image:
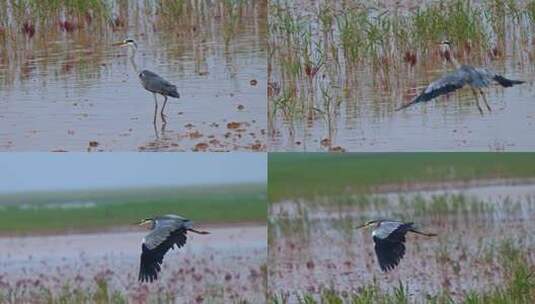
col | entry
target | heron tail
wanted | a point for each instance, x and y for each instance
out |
(422, 233)
(504, 82)
(174, 94)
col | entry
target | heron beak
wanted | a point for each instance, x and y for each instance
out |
(361, 226)
(119, 44)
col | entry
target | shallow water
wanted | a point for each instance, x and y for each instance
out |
(60, 90)
(228, 258)
(313, 245)
(365, 120)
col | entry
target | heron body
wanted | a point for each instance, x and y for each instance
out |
(476, 78)
(165, 232)
(151, 81)
(389, 239)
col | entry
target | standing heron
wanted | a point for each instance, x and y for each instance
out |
(389, 239)
(165, 232)
(476, 78)
(151, 81)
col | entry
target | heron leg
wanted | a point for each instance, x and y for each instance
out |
(155, 107)
(477, 101)
(485, 99)
(163, 108)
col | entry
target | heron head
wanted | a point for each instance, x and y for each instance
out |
(445, 45)
(127, 42)
(368, 224)
(445, 49)
(146, 223)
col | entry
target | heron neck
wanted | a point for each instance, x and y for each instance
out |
(454, 61)
(132, 55)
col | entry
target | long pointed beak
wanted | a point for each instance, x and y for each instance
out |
(361, 226)
(118, 44)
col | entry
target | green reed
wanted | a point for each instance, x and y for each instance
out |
(354, 35)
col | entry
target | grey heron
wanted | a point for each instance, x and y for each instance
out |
(476, 78)
(389, 239)
(165, 232)
(151, 81)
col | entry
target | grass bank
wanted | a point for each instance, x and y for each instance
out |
(101, 209)
(305, 175)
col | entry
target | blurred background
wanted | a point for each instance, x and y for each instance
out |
(481, 205)
(66, 225)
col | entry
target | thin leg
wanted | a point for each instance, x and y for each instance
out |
(156, 131)
(477, 101)
(155, 107)
(485, 99)
(163, 108)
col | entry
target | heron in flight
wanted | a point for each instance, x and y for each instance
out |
(476, 78)
(389, 239)
(165, 232)
(151, 81)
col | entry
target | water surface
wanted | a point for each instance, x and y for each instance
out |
(73, 91)
(313, 245)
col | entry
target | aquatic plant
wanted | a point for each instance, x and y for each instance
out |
(337, 41)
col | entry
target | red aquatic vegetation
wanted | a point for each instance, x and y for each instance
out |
(410, 58)
(119, 21)
(88, 18)
(28, 29)
(467, 47)
(310, 70)
(67, 26)
(495, 53)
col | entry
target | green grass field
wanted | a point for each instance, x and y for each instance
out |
(304, 175)
(60, 211)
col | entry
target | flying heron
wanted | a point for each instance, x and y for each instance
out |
(389, 239)
(165, 232)
(151, 81)
(476, 78)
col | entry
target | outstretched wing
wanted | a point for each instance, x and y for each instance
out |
(156, 84)
(155, 245)
(449, 83)
(391, 249)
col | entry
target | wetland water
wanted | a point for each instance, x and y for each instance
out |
(340, 69)
(222, 266)
(313, 244)
(61, 90)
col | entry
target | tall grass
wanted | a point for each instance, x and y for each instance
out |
(351, 36)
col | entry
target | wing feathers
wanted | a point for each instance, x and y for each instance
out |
(391, 249)
(156, 84)
(151, 259)
(442, 86)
